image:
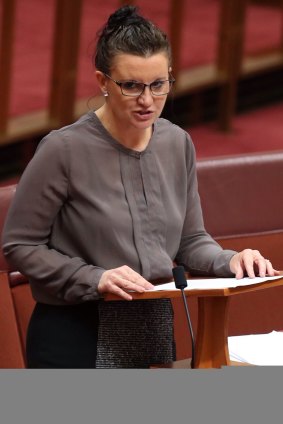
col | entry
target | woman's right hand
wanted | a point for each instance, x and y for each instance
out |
(120, 280)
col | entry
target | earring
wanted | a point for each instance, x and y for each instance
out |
(105, 94)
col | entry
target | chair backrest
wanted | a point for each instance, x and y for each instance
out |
(242, 201)
(16, 301)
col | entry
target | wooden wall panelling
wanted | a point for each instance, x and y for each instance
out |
(230, 54)
(281, 40)
(264, 61)
(6, 55)
(225, 74)
(176, 25)
(65, 62)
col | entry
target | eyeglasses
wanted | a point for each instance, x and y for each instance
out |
(136, 89)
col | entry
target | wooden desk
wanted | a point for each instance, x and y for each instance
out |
(211, 349)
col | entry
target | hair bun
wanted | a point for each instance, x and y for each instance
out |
(124, 16)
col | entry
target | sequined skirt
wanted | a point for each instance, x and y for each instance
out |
(135, 334)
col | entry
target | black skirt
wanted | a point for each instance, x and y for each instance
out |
(118, 334)
(62, 336)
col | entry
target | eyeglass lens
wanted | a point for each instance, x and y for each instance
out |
(158, 88)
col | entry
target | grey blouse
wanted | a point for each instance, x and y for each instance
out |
(85, 203)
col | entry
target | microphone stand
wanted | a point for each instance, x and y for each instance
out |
(181, 283)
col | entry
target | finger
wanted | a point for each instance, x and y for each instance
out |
(248, 262)
(120, 278)
(119, 282)
(262, 265)
(120, 292)
(243, 263)
(270, 270)
(108, 284)
(128, 285)
(236, 266)
(132, 276)
(239, 272)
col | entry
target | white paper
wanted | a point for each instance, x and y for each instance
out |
(257, 349)
(216, 283)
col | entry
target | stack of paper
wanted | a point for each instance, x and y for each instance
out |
(217, 283)
(257, 349)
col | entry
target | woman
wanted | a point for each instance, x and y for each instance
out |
(107, 205)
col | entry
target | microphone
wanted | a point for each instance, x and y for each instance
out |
(181, 283)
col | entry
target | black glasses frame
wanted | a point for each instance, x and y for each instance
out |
(120, 84)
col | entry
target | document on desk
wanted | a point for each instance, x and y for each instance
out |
(216, 283)
(257, 349)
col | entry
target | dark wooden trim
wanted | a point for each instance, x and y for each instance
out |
(65, 61)
(6, 56)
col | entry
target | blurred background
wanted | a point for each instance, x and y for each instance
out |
(227, 61)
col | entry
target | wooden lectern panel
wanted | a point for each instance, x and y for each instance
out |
(211, 350)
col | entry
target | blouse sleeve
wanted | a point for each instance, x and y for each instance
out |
(198, 251)
(40, 194)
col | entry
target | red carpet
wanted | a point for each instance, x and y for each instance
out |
(257, 131)
(260, 130)
(31, 68)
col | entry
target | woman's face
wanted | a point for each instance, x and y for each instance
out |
(135, 112)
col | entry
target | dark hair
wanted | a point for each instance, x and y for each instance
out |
(128, 32)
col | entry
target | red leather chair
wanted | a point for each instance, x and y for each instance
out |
(16, 302)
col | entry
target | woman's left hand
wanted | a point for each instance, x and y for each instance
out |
(251, 263)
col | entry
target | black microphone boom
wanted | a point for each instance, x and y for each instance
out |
(181, 284)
